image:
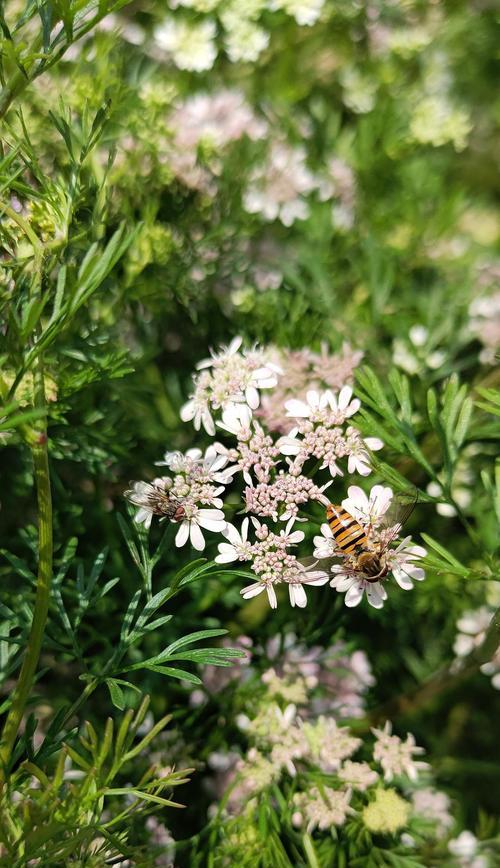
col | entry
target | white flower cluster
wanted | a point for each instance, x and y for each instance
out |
(279, 485)
(192, 45)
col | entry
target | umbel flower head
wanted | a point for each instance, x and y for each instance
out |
(226, 379)
(396, 756)
(271, 560)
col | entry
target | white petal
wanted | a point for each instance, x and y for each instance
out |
(343, 583)
(252, 590)
(187, 411)
(234, 345)
(252, 397)
(352, 408)
(289, 446)
(313, 398)
(227, 554)
(211, 514)
(380, 498)
(197, 538)
(297, 596)
(374, 598)
(418, 551)
(297, 408)
(374, 443)
(354, 596)
(271, 596)
(182, 535)
(215, 525)
(316, 578)
(345, 396)
(296, 537)
(402, 579)
(143, 516)
(416, 573)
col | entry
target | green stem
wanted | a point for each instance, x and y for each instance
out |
(444, 679)
(22, 690)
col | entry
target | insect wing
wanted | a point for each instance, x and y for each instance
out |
(401, 507)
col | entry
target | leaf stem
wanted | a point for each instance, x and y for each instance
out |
(443, 679)
(39, 451)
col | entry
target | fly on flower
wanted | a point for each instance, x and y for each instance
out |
(361, 531)
(154, 499)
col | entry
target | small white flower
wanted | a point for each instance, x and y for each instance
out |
(238, 548)
(199, 413)
(245, 41)
(465, 849)
(396, 756)
(355, 587)
(190, 528)
(305, 576)
(368, 510)
(235, 418)
(343, 402)
(304, 409)
(223, 354)
(359, 460)
(257, 588)
(305, 12)
(325, 545)
(191, 46)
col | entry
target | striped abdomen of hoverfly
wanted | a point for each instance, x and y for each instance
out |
(347, 532)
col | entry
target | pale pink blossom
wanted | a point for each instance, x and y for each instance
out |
(396, 756)
(276, 190)
(215, 118)
(196, 519)
(358, 776)
(321, 808)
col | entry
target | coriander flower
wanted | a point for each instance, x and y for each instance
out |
(205, 468)
(276, 189)
(359, 776)
(319, 434)
(218, 118)
(325, 545)
(226, 381)
(435, 807)
(245, 41)
(191, 46)
(325, 407)
(305, 12)
(238, 548)
(329, 744)
(273, 563)
(195, 520)
(368, 510)
(396, 756)
(321, 808)
(465, 848)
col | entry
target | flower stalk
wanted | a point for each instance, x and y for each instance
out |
(39, 449)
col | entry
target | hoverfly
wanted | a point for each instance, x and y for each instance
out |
(155, 497)
(363, 545)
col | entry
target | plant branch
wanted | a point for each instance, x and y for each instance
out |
(444, 679)
(22, 690)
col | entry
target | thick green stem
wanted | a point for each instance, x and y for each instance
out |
(22, 690)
